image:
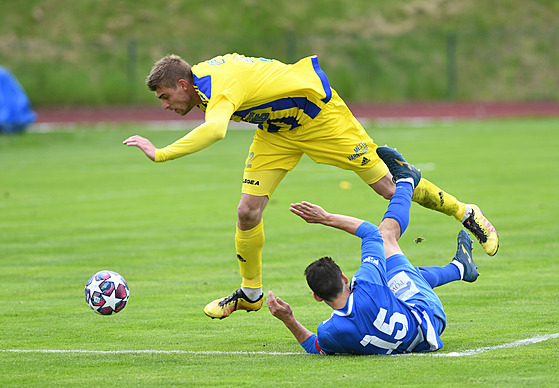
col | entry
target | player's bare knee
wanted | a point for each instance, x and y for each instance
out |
(250, 209)
(389, 192)
(389, 230)
(384, 186)
(248, 216)
(385, 190)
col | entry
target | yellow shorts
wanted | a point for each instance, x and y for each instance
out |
(334, 137)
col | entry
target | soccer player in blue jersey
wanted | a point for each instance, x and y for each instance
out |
(297, 112)
(390, 306)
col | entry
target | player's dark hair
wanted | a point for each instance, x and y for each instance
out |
(324, 278)
(167, 72)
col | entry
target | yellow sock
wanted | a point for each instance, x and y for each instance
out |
(249, 244)
(430, 196)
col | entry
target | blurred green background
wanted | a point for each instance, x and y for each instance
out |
(98, 52)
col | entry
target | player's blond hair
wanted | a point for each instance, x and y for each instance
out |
(167, 72)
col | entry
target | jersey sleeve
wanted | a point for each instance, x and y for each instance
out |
(372, 245)
(213, 129)
(311, 345)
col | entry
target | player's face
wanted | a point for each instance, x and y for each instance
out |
(178, 99)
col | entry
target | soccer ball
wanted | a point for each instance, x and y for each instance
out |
(106, 292)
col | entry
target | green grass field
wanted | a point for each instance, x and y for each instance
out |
(76, 201)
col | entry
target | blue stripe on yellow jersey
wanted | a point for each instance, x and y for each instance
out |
(323, 79)
(274, 95)
(203, 86)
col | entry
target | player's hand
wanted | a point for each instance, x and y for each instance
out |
(309, 212)
(315, 214)
(143, 144)
(279, 309)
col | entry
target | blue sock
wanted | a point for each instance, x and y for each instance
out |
(399, 206)
(437, 276)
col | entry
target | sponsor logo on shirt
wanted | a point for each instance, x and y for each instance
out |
(256, 118)
(370, 259)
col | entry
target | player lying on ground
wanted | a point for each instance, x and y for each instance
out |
(297, 112)
(390, 306)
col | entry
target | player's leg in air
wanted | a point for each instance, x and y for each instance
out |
(340, 140)
(412, 284)
(430, 196)
(461, 267)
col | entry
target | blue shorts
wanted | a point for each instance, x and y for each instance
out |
(409, 286)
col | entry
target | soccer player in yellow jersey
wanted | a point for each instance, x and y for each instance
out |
(297, 112)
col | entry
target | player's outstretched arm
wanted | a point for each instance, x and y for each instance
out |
(314, 214)
(212, 130)
(283, 311)
(143, 144)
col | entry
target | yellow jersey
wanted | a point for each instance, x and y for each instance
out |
(274, 95)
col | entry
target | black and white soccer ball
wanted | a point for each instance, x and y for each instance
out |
(106, 292)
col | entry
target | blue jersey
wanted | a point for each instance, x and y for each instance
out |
(391, 309)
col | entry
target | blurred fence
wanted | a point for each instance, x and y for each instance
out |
(489, 66)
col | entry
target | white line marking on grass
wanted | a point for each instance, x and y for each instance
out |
(523, 342)
(470, 352)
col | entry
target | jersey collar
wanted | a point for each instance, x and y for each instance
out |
(347, 309)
